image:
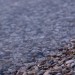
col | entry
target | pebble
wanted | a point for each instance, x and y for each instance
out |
(73, 65)
(69, 63)
(56, 67)
(47, 72)
(57, 63)
(58, 74)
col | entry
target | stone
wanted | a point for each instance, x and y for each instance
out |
(73, 65)
(47, 72)
(21, 71)
(69, 63)
(57, 67)
(58, 63)
(58, 74)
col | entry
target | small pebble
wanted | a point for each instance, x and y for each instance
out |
(57, 63)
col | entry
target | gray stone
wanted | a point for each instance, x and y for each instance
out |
(27, 25)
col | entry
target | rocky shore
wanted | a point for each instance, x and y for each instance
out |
(32, 31)
(59, 62)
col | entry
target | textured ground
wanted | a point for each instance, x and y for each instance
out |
(32, 28)
(61, 62)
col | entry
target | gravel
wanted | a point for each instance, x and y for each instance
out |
(63, 64)
(30, 28)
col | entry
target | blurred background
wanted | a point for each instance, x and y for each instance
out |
(33, 28)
